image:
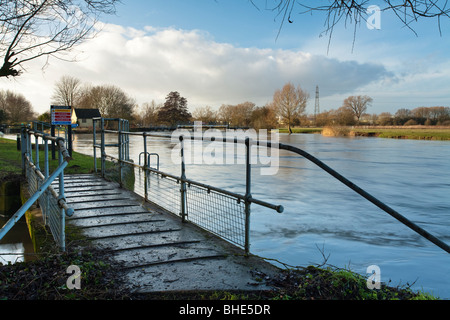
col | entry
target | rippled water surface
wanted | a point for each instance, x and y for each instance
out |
(323, 217)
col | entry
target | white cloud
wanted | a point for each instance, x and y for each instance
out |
(149, 63)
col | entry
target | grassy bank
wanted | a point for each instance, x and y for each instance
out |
(417, 133)
(10, 160)
(101, 278)
(301, 130)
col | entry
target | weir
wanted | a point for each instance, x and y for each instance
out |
(157, 250)
(179, 205)
(221, 212)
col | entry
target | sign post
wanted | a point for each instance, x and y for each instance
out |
(62, 116)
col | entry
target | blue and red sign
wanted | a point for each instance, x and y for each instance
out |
(61, 115)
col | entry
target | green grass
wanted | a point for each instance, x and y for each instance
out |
(406, 133)
(10, 160)
(301, 130)
(392, 133)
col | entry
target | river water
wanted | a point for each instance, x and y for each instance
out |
(323, 218)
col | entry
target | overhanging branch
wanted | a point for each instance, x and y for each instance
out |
(31, 29)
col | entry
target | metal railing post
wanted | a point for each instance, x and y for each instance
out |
(123, 139)
(30, 147)
(145, 169)
(103, 153)
(46, 164)
(94, 121)
(61, 176)
(120, 150)
(62, 234)
(65, 139)
(23, 146)
(248, 194)
(127, 137)
(36, 145)
(46, 174)
(27, 150)
(183, 183)
(52, 133)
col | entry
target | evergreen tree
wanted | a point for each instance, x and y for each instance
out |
(174, 111)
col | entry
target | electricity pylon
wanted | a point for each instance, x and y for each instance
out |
(316, 106)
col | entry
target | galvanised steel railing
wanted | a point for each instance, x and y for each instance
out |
(52, 203)
(224, 213)
(217, 210)
(46, 127)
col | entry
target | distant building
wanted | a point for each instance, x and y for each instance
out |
(83, 117)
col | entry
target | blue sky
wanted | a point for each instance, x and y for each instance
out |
(227, 51)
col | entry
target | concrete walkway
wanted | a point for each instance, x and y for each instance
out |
(160, 252)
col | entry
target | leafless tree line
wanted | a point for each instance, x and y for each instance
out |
(110, 100)
(428, 116)
(287, 109)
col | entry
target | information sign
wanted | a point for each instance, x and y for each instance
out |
(61, 115)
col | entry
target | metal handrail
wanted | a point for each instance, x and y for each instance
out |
(46, 178)
(368, 196)
(278, 208)
(427, 235)
(148, 158)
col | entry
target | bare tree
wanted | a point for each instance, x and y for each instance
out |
(264, 118)
(34, 28)
(385, 119)
(225, 114)
(111, 101)
(16, 107)
(402, 116)
(204, 114)
(239, 115)
(66, 91)
(242, 114)
(357, 104)
(149, 113)
(290, 103)
(343, 117)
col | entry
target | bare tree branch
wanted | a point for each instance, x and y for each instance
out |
(34, 28)
(355, 11)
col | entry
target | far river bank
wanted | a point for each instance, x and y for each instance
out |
(391, 132)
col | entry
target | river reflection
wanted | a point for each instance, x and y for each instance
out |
(16, 245)
(324, 217)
